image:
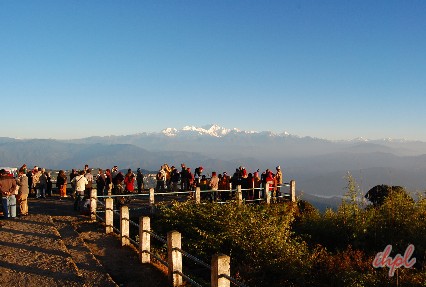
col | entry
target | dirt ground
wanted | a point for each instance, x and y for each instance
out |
(56, 246)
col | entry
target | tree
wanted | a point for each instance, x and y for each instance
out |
(378, 194)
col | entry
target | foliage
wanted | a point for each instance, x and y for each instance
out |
(295, 245)
(258, 238)
(378, 194)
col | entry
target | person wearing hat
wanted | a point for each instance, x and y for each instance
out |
(7, 190)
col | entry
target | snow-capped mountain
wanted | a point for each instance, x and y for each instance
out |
(213, 130)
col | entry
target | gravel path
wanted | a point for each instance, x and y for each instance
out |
(55, 246)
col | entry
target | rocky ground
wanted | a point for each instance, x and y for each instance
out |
(56, 246)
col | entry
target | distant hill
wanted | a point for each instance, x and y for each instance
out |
(319, 166)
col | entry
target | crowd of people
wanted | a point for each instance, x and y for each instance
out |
(169, 178)
(37, 182)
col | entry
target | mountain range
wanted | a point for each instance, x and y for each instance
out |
(319, 166)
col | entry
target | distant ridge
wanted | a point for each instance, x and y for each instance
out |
(318, 165)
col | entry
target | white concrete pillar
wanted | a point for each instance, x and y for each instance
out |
(174, 258)
(239, 195)
(293, 190)
(267, 194)
(152, 200)
(221, 265)
(109, 215)
(197, 195)
(124, 225)
(144, 239)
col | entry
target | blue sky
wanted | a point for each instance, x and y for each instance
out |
(329, 69)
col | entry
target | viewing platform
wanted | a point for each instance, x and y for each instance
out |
(56, 246)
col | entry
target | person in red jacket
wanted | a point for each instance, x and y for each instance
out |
(129, 181)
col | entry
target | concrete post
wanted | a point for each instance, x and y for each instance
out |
(151, 200)
(124, 225)
(197, 195)
(293, 190)
(93, 204)
(109, 215)
(239, 195)
(221, 265)
(174, 258)
(267, 194)
(144, 239)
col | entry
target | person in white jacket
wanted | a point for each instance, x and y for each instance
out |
(79, 182)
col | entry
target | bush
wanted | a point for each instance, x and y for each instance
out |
(295, 245)
(259, 239)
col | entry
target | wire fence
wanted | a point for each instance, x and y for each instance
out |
(161, 239)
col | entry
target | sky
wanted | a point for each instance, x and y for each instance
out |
(330, 69)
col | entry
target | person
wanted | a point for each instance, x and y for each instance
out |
(61, 184)
(73, 174)
(114, 172)
(160, 177)
(256, 184)
(42, 183)
(129, 181)
(24, 168)
(30, 182)
(167, 177)
(224, 186)
(48, 184)
(108, 182)
(244, 181)
(270, 179)
(36, 181)
(175, 176)
(214, 184)
(190, 179)
(279, 180)
(183, 178)
(100, 182)
(7, 189)
(88, 175)
(23, 191)
(250, 186)
(79, 182)
(118, 189)
(139, 180)
(197, 175)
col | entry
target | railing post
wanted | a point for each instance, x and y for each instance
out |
(239, 195)
(293, 190)
(144, 239)
(267, 194)
(221, 265)
(93, 204)
(109, 215)
(124, 225)
(197, 195)
(151, 200)
(174, 258)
